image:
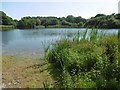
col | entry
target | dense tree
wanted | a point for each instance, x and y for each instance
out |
(27, 22)
(64, 22)
(81, 24)
(45, 22)
(78, 19)
(54, 21)
(100, 15)
(104, 21)
(38, 22)
(6, 20)
(70, 18)
(100, 21)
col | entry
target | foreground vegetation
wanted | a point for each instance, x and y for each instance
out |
(100, 21)
(89, 62)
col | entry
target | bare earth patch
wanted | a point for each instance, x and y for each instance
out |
(24, 72)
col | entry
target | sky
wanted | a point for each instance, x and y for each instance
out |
(58, 8)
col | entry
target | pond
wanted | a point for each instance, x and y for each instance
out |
(28, 41)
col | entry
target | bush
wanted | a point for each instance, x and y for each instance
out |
(85, 63)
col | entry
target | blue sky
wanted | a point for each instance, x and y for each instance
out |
(83, 8)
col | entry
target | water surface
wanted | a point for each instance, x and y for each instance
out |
(31, 41)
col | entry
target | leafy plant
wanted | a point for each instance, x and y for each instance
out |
(82, 62)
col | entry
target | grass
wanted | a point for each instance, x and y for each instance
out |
(38, 27)
(61, 26)
(6, 27)
(85, 62)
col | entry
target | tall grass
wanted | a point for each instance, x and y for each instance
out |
(85, 62)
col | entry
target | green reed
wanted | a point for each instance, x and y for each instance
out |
(89, 60)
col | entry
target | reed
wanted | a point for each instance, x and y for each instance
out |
(85, 62)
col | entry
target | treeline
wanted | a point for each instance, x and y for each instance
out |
(104, 21)
(99, 21)
(6, 20)
(36, 22)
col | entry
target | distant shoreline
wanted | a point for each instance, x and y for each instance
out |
(6, 27)
(10, 27)
(99, 21)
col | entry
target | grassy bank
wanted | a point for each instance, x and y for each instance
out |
(89, 62)
(21, 71)
(6, 27)
(61, 26)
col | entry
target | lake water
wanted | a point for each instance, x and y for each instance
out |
(20, 41)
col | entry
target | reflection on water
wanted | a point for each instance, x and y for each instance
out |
(7, 36)
(33, 40)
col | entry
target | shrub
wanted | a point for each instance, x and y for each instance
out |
(89, 62)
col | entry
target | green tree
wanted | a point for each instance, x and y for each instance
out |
(6, 20)
(78, 19)
(38, 22)
(54, 21)
(70, 18)
(64, 22)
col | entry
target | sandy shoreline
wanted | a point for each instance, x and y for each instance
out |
(24, 71)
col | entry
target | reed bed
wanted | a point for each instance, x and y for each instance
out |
(88, 60)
